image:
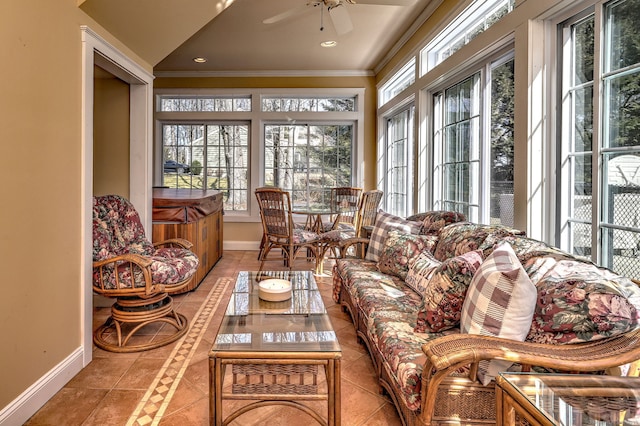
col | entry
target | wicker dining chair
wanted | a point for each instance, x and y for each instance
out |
(138, 274)
(341, 240)
(345, 201)
(367, 212)
(279, 230)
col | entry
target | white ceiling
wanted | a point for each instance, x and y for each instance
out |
(236, 40)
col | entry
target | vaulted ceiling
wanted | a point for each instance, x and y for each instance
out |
(232, 37)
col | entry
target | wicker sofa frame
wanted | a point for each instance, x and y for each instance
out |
(450, 392)
(448, 398)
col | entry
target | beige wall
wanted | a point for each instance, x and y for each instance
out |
(252, 232)
(40, 217)
(110, 135)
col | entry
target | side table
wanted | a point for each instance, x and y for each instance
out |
(567, 399)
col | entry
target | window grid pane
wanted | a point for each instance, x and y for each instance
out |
(182, 156)
(397, 176)
(203, 103)
(460, 149)
(617, 241)
(502, 143)
(475, 19)
(227, 165)
(308, 160)
(215, 160)
(319, 104)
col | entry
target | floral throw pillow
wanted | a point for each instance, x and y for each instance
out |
(445, 293)
(433, 222)
(500, 302)
(400, 250)
(421, 271)
(581, 302)
(386, 222)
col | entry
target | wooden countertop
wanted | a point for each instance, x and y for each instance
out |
(184, 205)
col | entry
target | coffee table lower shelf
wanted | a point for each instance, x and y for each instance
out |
(275, 378)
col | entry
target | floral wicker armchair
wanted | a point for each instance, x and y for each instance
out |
(128, 267)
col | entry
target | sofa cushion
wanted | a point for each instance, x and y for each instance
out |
(580, 302)
(500, 302)
(386, 222)
(393, 338)
(168, 266)
(372, 290)
(459, 238)
(433, 221)
(345, 269)
(445, 293)
(387, 298)
(421, 271)
(400, 250)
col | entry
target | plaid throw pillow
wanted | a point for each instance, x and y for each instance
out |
(500, 302)
(386, 222)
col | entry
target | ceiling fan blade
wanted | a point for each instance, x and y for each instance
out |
(341, 19)
(289, 13)
(384, 2)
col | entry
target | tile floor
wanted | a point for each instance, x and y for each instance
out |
(115, 389)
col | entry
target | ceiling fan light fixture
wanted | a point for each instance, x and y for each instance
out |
(329, 43)
(199, 60)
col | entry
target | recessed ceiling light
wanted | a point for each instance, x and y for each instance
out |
(200, 60)
(329, 43)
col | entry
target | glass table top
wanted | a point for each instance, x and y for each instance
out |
(579, 399)
(299, 324)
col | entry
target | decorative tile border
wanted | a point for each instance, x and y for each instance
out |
(155, 402)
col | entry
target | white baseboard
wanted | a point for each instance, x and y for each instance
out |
(241, 245)
(31, 400)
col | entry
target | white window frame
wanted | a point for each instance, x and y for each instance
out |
(257, 119)
(430, 155)
(402, 79)
(458, 31)
(601, 246)
(410, 153)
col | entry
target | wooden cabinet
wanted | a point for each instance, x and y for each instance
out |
(194, 215)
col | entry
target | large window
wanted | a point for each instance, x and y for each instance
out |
(600, 177)
(473, 168)
(308, 160)
(396, 179)
(304, 142)
(457, 147)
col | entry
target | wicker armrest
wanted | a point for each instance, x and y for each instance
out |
(345, 244)
(131, 261)
(447, 354)
(172, 242)
(459, 349)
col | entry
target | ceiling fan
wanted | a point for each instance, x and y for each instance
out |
(337, 11)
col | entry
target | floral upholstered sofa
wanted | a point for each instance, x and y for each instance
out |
(443, 305)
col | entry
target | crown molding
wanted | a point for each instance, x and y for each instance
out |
(267, 73)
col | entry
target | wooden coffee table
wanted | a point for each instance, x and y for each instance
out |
(278, 352)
